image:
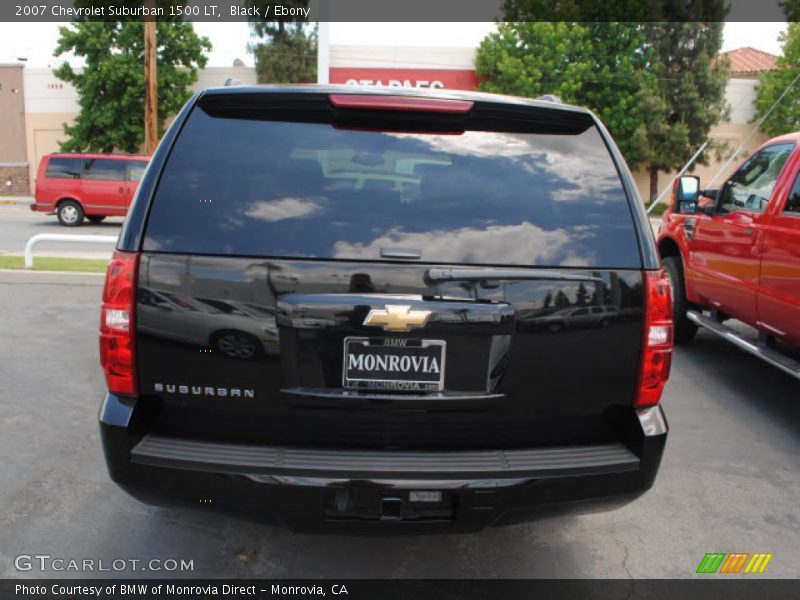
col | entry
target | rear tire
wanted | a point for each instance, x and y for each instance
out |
(95, 218)
(685, 330)
(70, 213)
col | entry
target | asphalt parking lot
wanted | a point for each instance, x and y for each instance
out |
(18, 224)
(729, 480)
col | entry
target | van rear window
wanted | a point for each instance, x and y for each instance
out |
(64, 168)
(104, 168)
(263, 182)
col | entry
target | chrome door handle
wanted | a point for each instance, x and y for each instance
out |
(748, 231)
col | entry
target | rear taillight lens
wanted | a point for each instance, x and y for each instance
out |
(117, 350)
(657, 342)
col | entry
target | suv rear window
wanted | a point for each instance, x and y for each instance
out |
(525, 188)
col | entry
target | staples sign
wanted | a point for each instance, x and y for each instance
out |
(455, 79)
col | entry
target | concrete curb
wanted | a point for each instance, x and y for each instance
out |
(22, 200)
(38, 272)
(104, 256)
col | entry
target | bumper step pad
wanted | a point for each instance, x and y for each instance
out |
(243, 459)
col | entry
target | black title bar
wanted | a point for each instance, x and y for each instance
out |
(397, 11)
(407, 589)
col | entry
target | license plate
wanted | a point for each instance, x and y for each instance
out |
(393, 364)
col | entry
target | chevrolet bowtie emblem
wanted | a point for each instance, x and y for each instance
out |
(397, 318)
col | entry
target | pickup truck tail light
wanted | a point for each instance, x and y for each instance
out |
(117, 346)
(657, 340)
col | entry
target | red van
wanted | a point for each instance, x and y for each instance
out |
(93, 186)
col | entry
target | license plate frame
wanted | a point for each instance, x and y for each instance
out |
(385, 384)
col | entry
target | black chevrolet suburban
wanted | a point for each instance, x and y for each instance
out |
(337, 307)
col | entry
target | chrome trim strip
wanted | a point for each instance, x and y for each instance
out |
(771, 328)
(104, 207)
(378, 394)
(436, 276)
(773, 357)
(413, 484)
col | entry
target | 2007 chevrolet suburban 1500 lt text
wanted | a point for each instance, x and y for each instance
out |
(737, 254)
(335, 307)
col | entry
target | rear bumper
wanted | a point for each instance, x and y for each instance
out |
(40, 207)
(312, 489)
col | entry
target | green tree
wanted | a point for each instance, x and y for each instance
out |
(785, 117)
(581, 296)
(285, 50)
(111, 84)
(791, 9)
(653, 80)
(561, 299)
(690, 98)
(598, 65)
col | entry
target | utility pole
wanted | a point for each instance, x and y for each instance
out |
(151, 84)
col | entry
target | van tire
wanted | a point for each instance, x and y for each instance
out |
(685, 330)
(70, 213)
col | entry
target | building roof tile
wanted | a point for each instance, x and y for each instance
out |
(749, 61)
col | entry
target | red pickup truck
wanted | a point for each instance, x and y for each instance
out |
(734, 252)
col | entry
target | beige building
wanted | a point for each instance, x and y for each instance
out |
(13, 154)
(746, 64)
(48, 103)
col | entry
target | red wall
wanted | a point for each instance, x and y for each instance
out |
(453, 79)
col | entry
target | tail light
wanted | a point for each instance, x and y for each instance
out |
(657, 342)
(117, 350)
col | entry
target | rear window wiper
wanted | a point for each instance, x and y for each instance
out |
(487, 276)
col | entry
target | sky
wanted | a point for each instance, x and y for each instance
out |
(35, 41)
